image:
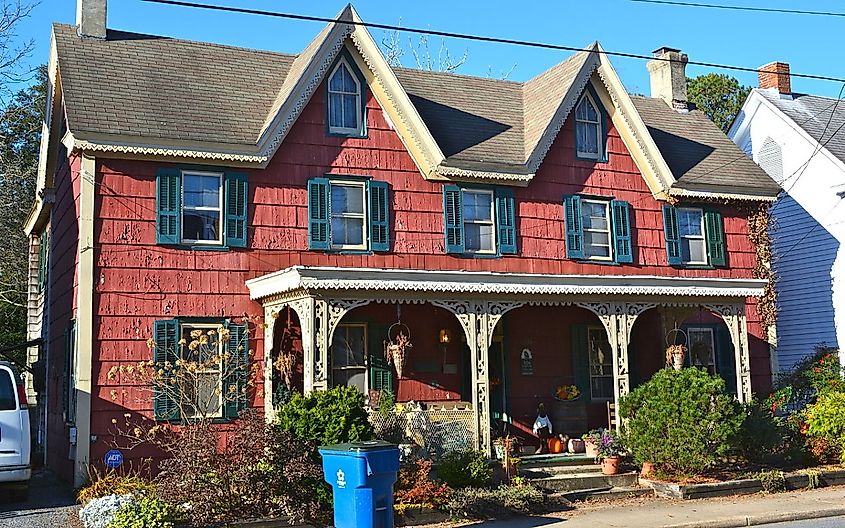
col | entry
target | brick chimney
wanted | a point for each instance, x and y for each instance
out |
(669, 78)
(91, 18)
(775, 75)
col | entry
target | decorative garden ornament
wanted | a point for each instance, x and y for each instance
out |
(398, 344)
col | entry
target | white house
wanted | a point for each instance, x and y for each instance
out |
(799, 140)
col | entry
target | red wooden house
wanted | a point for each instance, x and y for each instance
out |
(526, 234)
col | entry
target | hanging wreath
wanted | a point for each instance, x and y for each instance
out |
(397, 346)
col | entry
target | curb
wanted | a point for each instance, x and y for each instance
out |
(755, 520)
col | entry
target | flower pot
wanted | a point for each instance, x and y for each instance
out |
(647, 470)
(610, 465)
(678, 361)
(576, 445)
(591, 448)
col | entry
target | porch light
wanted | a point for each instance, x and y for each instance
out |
(445, 337)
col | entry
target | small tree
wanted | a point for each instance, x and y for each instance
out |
(719, 96)
(327, 417)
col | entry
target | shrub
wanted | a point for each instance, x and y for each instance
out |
(110, 482)
(773, 481)
(484, 503)
(416, 489)
(327, 417)
(814, 375)
(826, 419)
(765, 438)
(100, 512)
(465, 468)
(681, 420)
(148, 512)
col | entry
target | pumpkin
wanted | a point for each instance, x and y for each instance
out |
(555, 445)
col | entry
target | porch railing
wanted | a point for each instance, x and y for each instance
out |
(434, 431)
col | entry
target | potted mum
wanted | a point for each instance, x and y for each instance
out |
(591, 442)
(611, 452)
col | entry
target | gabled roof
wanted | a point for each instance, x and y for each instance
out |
(823, 118)
(182, 99)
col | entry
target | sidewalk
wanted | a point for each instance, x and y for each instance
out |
(725, 512)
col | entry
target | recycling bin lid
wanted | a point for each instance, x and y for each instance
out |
(358, 447)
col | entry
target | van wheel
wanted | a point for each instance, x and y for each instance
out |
(21, 494)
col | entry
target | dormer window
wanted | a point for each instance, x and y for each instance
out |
(588, 128)
(344, 102)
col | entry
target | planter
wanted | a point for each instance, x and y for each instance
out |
(576, 445)
(591, 448)
(647, 469)
(610, 465)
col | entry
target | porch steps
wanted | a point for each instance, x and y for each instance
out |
(571, 473)
(585, 481)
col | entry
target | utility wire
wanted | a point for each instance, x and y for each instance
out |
(741, 8)
(467, 36)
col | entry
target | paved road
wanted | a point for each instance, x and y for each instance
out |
(830, 522)
(50, 504)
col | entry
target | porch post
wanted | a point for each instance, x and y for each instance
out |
(321, 346)
(735, 319)
(304, 309)
(270, 315)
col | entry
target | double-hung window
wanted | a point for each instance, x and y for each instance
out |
(479, 221)
(201, 208)
(203, 369)
(348, 214)
(349, 355)
(345, 106)
(589, 133)
(598, 229)
(702, 348)
(694, 236)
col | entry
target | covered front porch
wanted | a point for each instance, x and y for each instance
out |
(488, 347)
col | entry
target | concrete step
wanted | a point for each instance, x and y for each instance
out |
(604, 494)
(562, 459)
(537, 472)
(585, 481)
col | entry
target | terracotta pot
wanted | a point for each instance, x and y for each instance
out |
(610, 465)
(647, 470)
(576, 445)
(591, 448)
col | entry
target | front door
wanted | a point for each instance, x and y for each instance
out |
(498, 380)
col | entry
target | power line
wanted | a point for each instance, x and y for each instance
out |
(467, 36)
(741, 8)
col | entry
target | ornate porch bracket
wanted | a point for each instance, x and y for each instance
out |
(337, 309)
(737, 323)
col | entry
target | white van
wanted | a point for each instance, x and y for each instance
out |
(14, 432)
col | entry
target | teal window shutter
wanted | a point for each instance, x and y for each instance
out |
(715, 233)
(580, 359)
(319, 226)
(236, 371)
(506, 221)
(574, 227)
(168, 206)
(725, 358)
(623, 249)
(673, 238)
(236, 209)
(381, 374)
(453, 218)
(379, 216)
(166, 337)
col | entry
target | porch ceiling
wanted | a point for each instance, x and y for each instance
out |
(464, 283)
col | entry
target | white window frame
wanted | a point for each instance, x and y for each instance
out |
(357, 94)
(702, 237)
(186, 329)
(220, 227)
(690, 330)
(603, 333)
(364, 216)
(491, 222)
(599, 147)
(366, 355)
(609, 229)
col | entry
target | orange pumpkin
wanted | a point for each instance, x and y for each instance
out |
(555, 445)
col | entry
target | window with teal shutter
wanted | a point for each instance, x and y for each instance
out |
(453, 219)
(236, 209)
(622, 245)
(319, 198)
(574, 227)
(670, 230)
(379, 216)
(506, 221)
(168, 202)
(236, 371)
(166, 336)
(715, 233)
(381, 374)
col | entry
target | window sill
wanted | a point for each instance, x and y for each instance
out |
(694, 266)
(190, 247)
(477, 255)
(356, 135)
(599, 262)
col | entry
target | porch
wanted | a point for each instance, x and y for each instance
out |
(488, 347)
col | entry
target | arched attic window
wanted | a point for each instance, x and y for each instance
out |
(588, 128)
(345, 108)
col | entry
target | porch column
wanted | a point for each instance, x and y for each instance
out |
(735, 319)
(304, 309)
(271, 312)
(320, 346)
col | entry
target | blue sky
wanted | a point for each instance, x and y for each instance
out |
(739, 38)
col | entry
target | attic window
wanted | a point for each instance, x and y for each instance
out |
(344, 104)
(588, 129)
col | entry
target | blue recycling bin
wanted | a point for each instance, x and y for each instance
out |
(362, 475)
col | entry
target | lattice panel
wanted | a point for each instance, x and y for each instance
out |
(435, 431)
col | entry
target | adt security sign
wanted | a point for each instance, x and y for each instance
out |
(113, 458)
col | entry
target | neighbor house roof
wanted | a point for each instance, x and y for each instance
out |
(161, 96)
(820, 117)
